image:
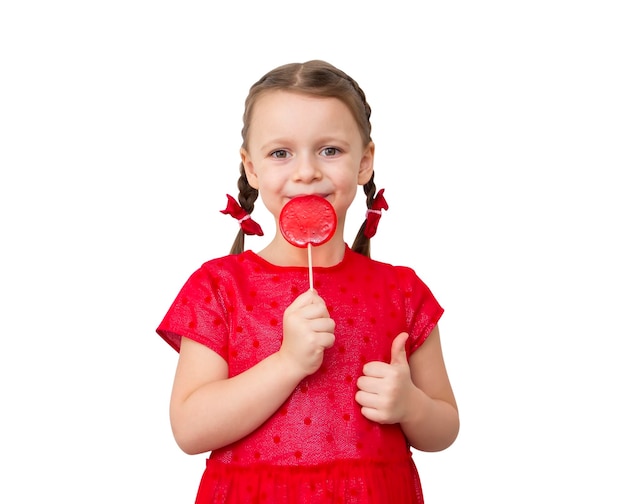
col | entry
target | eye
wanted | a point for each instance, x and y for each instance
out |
(279, 154)
(330, 151)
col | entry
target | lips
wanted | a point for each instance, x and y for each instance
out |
(321, 195)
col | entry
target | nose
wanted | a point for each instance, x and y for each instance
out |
(307, 169)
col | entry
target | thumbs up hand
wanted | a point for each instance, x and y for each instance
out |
(384, 389)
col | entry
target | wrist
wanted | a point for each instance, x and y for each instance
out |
(418, 405)
(289, 368)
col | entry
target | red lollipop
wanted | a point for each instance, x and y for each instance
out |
(308, 221)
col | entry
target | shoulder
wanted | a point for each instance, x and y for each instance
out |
(404, 277)
(366, 263)
(228, 264)
(217, 273)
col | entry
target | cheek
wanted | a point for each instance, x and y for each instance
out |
(347, 197)
(349, 184)
(269, 194)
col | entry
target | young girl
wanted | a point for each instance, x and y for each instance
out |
(308, 395)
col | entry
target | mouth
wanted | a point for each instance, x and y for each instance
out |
(319, 195)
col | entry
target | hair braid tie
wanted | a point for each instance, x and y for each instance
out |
(248, 226)
(374, 214)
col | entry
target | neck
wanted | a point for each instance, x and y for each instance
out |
(282, 253)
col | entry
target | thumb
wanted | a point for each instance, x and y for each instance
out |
(398, 349)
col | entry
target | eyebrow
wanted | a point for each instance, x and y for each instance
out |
(277, 143)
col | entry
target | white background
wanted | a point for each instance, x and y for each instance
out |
(500, 130)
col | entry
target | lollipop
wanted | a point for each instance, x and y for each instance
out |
(308, 221)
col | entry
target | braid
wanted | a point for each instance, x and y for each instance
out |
(247, 197)
(366, 112)
(361, 93)
(361, 242)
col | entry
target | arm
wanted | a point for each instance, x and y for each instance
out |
(208, 410)
(416, 394)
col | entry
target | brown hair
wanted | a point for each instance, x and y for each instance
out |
(317, 78)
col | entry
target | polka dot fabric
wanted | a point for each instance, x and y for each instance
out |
(317, 447)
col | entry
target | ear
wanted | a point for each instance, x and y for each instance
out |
(366, 168)
(248, 166)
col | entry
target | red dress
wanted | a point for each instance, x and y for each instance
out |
(318, 447)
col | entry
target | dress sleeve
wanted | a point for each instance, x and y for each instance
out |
(423, 311)
(198, 313)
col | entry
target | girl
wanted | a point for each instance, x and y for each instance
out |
(308, 395)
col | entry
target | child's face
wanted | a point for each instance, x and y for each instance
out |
(300, 144)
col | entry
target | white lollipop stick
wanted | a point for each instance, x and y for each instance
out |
(309, 248)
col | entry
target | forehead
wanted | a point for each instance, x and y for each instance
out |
(292, 100)
(276, 110)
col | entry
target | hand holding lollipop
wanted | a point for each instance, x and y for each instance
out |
(307, 221)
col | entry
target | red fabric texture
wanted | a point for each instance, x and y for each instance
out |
(318, 447)
(343, 481)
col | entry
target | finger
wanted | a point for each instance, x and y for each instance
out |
(306, 298)
(313, 311)
(373, 414)
(375, 369)
(326, 340)
(366, 400)
(322, 324)
(368, 384)
(398, 349)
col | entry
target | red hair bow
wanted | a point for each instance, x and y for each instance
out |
(248, 226)
(373, 214)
